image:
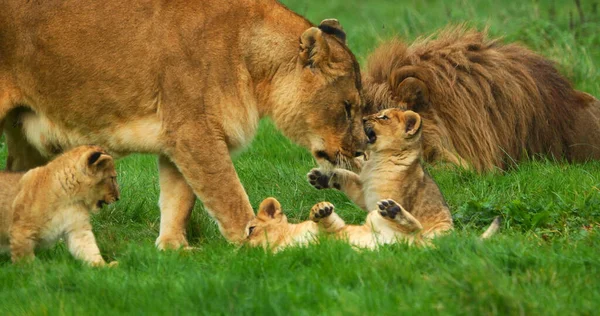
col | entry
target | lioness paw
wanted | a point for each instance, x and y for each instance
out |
(320, 211)
(389, 208)
(318, 179)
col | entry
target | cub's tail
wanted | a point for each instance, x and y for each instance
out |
(494, 227)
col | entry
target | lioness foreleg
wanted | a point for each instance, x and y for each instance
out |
(329, 221)
(341, 179)
(204, 161)
(176, 202)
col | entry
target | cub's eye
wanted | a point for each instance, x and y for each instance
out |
(250, 230)
(348, 107)
(383, 117)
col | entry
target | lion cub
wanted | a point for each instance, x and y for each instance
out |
(391, 223)
(393, 171)
(53, 201)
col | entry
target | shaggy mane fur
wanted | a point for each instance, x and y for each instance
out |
(486, 104)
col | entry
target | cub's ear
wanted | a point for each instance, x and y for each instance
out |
(98, 161)
(333, 27)
(409, 89)
(314, 50)
(269, 209)
(412, 123)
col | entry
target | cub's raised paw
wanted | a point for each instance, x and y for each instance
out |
(320, 211)
(389, 208)
(318, 179)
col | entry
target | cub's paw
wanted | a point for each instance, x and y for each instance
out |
(113, 264)
(318, 179)
(389, 208)
(320, 211)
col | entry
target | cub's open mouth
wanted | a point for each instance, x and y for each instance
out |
(372, 137)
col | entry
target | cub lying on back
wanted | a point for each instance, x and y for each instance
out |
(391, 223)
(54, 201)
(393, 171)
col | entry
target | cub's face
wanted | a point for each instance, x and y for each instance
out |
(270, 228)
(99, 177)
(393, 130)
(324, 103)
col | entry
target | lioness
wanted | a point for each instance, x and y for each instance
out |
(187, 80)
(54, 201)
(391, 223)
(393, 171)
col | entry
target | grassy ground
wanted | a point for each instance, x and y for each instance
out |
(545, 261)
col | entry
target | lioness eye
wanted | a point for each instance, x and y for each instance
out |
(348, 107)
(250, 230)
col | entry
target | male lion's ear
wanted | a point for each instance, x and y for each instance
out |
(314, 49)
(412, 123)
(269, 209)
(409, 89)
(333, 27)
(98, 160)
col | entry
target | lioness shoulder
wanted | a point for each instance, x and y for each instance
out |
(55, 201)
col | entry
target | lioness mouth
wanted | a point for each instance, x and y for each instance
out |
(372, 137)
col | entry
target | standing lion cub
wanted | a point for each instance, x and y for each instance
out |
(46, 203)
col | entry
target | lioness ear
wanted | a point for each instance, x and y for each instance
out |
(408, 89)
(98, 160)
(412, 123)
(269, 209)
(333, 27)
(314, 50)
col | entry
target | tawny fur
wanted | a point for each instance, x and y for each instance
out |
(54, 201)
(484, 104)
(271, 230)
(187, 80)
(393, 171)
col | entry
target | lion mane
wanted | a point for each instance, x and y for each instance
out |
(485, 104)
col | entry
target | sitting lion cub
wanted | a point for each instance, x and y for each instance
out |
(393, 171)
(391, 223)
(54, 201)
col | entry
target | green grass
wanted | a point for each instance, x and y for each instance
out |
(544, 261)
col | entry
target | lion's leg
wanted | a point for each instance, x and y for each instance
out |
(82, 245)
(22, 156)
(403, 220)
(23, 239)
(341, 179)
(329, 221)
(176, 202)
(204, 161)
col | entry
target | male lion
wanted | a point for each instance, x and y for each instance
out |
(187, 80)
(54, 201)
(484, 104)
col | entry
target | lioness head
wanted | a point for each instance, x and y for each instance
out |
(96, 175)
(322, 108)
(393, 130)
(271, 230)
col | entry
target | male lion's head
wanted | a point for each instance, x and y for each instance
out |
(322, 106)
(393, 130)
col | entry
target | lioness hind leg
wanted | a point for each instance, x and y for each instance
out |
(176, 202)
(323, 214)
(391, 210)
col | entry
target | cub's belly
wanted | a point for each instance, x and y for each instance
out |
(138, 135)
